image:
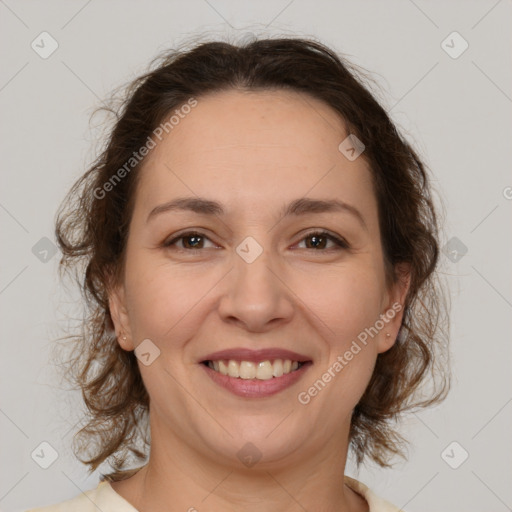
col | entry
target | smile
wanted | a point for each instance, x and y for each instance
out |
(263, 370)
(250, 373)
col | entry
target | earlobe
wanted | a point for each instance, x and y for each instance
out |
(120, 318)
(386, 341)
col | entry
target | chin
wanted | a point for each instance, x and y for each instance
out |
(258, 442)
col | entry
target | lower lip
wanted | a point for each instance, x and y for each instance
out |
(256, 388)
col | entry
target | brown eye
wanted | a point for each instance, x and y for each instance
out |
(317, 242)
(320, 239)
(193, 241)
(189, 241)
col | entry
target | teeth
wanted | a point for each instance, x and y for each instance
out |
(278, 368)
(223, 368)
(247, 370)
(264, 370)
(233, 369)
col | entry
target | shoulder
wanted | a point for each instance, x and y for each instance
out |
(102, 498)
(375, 503)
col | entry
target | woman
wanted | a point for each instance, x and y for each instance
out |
(260, 246)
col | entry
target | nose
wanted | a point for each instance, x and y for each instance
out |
(256, 296)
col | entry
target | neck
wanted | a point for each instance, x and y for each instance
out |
(177, 473)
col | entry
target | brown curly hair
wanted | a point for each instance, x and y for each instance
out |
(92, 228)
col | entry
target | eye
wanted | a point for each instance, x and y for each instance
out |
(191, 240)
(319, 240)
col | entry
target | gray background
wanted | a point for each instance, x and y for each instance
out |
(455, 110)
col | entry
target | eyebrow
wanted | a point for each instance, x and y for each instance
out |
(301, 206)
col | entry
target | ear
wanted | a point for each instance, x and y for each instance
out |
(120, 317)
(393, 312)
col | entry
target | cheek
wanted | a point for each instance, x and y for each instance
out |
(347, 302)
(163, 299)
(348, 305)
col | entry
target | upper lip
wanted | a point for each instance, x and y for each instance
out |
(246, 354)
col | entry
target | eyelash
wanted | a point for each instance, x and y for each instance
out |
(340, 242)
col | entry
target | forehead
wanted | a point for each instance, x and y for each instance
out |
(254, 147)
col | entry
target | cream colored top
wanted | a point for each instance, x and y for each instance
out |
(104, 498)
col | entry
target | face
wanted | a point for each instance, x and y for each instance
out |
(255, 276)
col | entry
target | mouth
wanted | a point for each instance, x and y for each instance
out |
(255, 374)
(262, 370)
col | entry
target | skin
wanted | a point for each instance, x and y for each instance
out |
(253, 152)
